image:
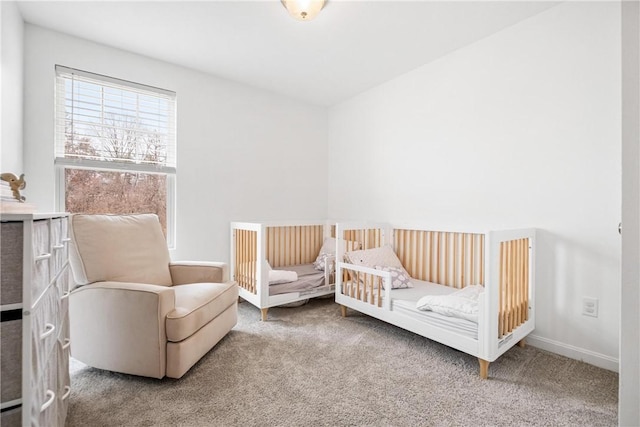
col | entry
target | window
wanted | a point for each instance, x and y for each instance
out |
(115, 146)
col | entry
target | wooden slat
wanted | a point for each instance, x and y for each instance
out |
(245, 243)
(422, 253)
(510, 283)
(472, 261)
(446, 259)
(293, 245)
(482, 258)
(503, 267)
(456, 261)
(253, 251)
(514, 285)
(430, 256)
(519, 283)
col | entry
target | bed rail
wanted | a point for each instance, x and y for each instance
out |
(360, 283)
(448, 258)
(293, 245)
(283, 245)
(366, 285)
(364, 238)
(514, 285)
(245, 259)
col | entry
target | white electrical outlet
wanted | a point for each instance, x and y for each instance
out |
(590, 306)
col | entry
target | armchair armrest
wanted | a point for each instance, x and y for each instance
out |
(121, 326)
(185, 272)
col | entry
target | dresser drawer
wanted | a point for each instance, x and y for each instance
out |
(34, 327)
(41, 255)
(59, 244)
(11, 417)
(45, 327)
(62, 283)
(64, 383)
(63, 319)
(11, 360)
(11, 262)
(45, 403)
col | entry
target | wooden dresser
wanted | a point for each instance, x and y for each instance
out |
(34, 332)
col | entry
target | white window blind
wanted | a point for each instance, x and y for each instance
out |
(115, 147)
(107, 123)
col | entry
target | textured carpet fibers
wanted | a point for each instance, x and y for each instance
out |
(308, 366)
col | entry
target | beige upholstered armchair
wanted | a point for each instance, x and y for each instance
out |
(136, 312)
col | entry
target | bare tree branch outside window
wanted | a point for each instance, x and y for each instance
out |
(114, 125)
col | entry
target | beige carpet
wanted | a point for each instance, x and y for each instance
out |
(307, 366)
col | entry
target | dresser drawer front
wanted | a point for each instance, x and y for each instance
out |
(41, 255)
(11, 417)
(59, 243)
(45, 327)
(11, 262)
(64, 383)
(34, 352)
(45, 398)
(11, 360)
(63, 318)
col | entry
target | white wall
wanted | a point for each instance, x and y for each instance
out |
(521, 129)
(629, 395)
(11, 51)
(243, 153)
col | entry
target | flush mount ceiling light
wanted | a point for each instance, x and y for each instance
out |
(303, 10)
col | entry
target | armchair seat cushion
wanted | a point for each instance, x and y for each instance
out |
(196, 305)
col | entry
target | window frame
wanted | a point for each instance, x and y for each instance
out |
(61, 163)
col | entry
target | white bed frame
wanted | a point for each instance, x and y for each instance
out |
(503, 261)
(282, 244)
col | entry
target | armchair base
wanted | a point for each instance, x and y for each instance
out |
(181, 356)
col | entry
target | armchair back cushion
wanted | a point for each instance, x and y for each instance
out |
(110, 248)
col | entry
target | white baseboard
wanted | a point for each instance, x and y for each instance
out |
(577, 353)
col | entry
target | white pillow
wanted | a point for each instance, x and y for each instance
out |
(383, 255)
(277, 277)
(328, 249)
(399, 277)
(462, 303)
(328, 246)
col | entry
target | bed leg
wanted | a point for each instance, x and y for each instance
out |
(484, 368)
(343, 310)
(522, 343)
(263, 313)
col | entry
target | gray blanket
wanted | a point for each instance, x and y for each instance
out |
(308, 278)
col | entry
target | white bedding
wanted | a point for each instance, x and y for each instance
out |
(282, 276)
(404, 301)
(462, 303)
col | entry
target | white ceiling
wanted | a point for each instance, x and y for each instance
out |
(350, 47)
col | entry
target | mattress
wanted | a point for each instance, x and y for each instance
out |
(403, 301)
(308, 278)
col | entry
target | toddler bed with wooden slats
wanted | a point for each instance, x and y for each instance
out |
(446, 266)
(257, 247)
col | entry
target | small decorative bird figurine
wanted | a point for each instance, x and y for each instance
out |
(16, 184)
